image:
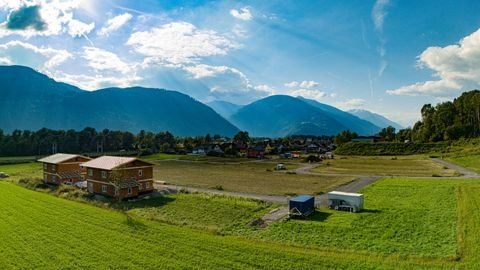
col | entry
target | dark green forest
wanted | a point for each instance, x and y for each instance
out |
(447, 121)
(88, 140)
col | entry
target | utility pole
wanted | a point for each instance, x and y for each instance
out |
(54, 148)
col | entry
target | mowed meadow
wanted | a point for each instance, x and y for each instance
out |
(408, 223)
(252, 177)
(414, 166)
(42, 231)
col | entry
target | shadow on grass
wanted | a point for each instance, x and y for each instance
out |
(371, 211)
(317, 216)
(152, 202)
(134, 223)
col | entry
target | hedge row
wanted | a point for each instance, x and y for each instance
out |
(389, 148)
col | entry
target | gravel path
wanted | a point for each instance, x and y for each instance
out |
(466, 172)
(267, 198)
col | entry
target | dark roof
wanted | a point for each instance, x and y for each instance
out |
(66, 175)
(129, 183)
(301, 198)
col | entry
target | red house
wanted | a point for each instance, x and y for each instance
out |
(123, 177)
(63, 168)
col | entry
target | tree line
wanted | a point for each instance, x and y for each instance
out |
(89, 140)
(447, 121)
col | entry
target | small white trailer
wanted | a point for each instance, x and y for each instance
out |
(339, 200)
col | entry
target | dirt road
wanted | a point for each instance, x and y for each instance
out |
(466, 172)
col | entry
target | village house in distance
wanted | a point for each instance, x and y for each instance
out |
(123, 177)
(63, 168)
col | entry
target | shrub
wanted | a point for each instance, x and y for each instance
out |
(33, 183)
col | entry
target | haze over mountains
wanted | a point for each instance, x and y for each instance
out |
(375, 118)
(280, 115)
(31, 100)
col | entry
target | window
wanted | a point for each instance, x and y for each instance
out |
(104, 175)
(53, 167)
(45, 177)
(147, 185)
(104, 188)
(140, 186)
(90, 172)
(129, 191)
(140, 172)
(45, 166)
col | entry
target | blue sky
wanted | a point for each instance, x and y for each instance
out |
(387, 56)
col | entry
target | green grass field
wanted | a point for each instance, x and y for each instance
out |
(17, 171)
(408, 224)
(245, 177)
(202, 211)
(471, 162)
(42, 231)
(402, 216)
(384, 166)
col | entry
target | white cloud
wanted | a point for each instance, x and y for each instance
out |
(202, 71)
(115, 23)
(379, 13)
(94, 82)
(457, 67)
(308, 93)
(77, 28)
(351, 104)
(57, 15)
(265, 88)
(242, 14)
(102, 60)
(302, 84)
(5, 61)
(53, 57)
(179, 43)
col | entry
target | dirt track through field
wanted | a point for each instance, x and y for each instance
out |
(466, 172)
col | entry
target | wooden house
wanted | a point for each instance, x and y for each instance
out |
(123, 177)
(63, 168)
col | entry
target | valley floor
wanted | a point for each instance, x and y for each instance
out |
(408, 223)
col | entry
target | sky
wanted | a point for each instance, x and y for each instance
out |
(386, 56)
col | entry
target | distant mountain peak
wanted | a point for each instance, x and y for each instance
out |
(282, 115)
(375, 118)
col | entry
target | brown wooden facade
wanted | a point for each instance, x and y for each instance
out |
(64, 171)
(127, 180)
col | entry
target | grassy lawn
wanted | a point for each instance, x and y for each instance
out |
(471, 162)
(42, 231)
(14, 160)
(245, 177)
(402, 216)
(384, 166)
(202, 211)
(18, 171)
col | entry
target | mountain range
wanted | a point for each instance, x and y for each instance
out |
(279, 115)
(375, 118)
(31, 100)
